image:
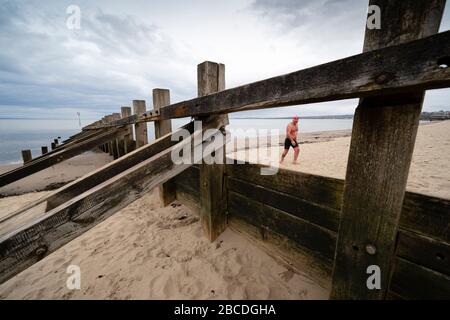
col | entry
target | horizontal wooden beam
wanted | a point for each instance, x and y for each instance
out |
(320, 241)
(422, 214)
(35, 239)
(413, 281)
(295, 205)
(402, 68)
(51, 159)
(315, 189)
(426, 251)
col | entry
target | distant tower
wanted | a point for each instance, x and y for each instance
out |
(79, 119)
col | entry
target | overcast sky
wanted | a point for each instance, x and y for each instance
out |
(124, 49)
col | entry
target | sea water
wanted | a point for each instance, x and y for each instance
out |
(21, 134)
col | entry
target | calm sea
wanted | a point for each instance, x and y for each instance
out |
(20, 134)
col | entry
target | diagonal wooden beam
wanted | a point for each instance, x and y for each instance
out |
(401, 68)
(37, 238)
(86, 136)
(96, 177)
(51, 159)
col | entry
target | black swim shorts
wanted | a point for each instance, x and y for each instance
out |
(288, 143)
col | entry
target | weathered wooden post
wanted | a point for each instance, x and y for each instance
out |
(115, 142)
(108, 119)
(53, 145)
(44, 149)
(210, 79)
(111, 145)
(126, 112)
(383, 137)
(106, 145)
(26, 156)
(140, 129)
(161, 98)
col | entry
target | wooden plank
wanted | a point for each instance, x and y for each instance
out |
(322, 216)
(187, 186)
(126, 112)
(26, 156)
(140, 129)
(34, 240)
(86, 136)
(115, 142)
(400, 68)
(424, 251)
(98, 176)
(210, 79)
(54, 158)
(429, 216)
(190, 178)
(412, 281)
(426, 215)
(161, 98)
(319, 241)
(320, 190)
(188, 196)
(381, 148)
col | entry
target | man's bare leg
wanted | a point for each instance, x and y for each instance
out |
(283, 155)
(296, 153)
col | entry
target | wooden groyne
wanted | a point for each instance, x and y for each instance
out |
(344, 227)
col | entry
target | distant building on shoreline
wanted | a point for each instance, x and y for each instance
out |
(435, 116)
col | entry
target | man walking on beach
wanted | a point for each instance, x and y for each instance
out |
(291, 139)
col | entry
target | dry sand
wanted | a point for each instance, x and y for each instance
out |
(148, 252)
(430, 167)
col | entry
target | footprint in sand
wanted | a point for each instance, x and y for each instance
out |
(162, 287)
(255, 290)
(183, 256)
(227, 265)
(191, 288)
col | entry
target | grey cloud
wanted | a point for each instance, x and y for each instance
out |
(291, 14)
(110, 61)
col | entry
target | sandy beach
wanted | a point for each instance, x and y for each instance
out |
(429, 172)
(148, 252)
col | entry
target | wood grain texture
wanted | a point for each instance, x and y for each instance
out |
(426, 215)
(383, 137)
(425, 251)
(140, 129)
(211, 79)
(26, 156)
(412, 281)
(320, 241)
(317, 214)
(315, 189)
(161, 98)
(128, 136)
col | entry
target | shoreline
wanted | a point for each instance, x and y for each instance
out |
(56, 176)
(72, 169)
